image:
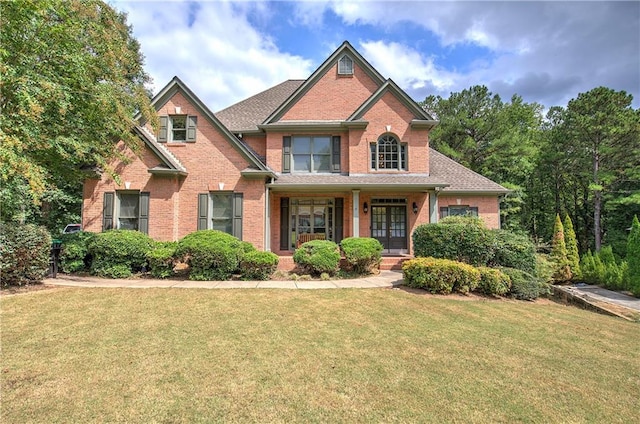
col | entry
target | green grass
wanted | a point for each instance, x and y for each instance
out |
(187, 355)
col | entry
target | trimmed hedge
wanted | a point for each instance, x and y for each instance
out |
(119, 253)
(24, 254)
(362, 254)
(210, 254)
(257, 265)
(513, 250)
(493, 282)
(161, 259)
(440, 275)
(525, 286)
(318, 256)
(75, 252)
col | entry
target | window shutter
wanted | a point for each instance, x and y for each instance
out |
(444, 212)
(339, 220)
(162, 134)
(203, 211)
(143, 219)
(474, 211)
(404, 157)
(237, 215)
(107, 211)
(335, 152)
(286, 154)
(284, 223)
(192, 123)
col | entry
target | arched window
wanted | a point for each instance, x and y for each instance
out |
(388, 153)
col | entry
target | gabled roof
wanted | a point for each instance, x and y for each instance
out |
(245, 115)
(391, 87)
(176, 85)
(459, 178)
(326, 65)
(169, 164)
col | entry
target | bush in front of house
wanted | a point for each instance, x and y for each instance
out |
(470, 244)
(463, 220)
(513, 250)
(602, 268)
(74, 256)
(162, 259)
(210, 254)
(362, 254)
(24, 253)
(119, 253)
(493, 282)
(525, 286)
(257, 265)
(440, 275)
(318, 256)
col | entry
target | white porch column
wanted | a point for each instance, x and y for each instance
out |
(355, 194)
(267, 220)
(433, 207)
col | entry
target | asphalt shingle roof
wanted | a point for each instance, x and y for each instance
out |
(459, 177)
(244, 116)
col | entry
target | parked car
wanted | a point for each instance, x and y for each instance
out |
(72, 228)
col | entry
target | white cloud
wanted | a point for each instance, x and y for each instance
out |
(212, 47)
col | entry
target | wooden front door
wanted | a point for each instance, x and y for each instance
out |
(389, 226)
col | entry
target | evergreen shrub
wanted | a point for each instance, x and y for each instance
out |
(162, 259)
(440, 275)
(632, 274)
(318, 256)
(362, 254)
(24, 253)
(210, 254)
(513, 250)
(470, 244)
(573, 257)
(493, 282)
(562, 271)
(118, 253)
(525, 286)
(75, 256)
(257, 265)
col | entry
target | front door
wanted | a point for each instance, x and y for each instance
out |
(389, 227)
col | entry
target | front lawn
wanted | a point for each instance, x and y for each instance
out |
(190, 355)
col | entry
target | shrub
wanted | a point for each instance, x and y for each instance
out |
(460, 242)
(525, 286)
(544, 267)
(318, 256)
(572, 248)
(632, 274)
(464, 220)
(256, 265)
(493, 281)
(118, 253)
(210, 254)
(362, 253)
(75, 255)
(562, 271)
(440, 275)
(161, 259)
(513, 250)
(24, 254)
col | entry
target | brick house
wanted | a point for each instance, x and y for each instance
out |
(342, 153)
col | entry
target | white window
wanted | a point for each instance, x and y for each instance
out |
(177, 129)
(345, 66)
(311, 154)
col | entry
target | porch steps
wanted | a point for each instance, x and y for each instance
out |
(388, 263)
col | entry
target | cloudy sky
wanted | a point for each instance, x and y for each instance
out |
(547, 52)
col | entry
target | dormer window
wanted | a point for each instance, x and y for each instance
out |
(177, 129)
(345, 65)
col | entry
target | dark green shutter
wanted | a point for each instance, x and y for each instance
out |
(192, 123)
(335, 153)
(284, 223)
(143, 219)
(107, 211)
(339, 220)
(444, 212)
(162, 134)
(203, 211)
(237, 215)
(286, 154)
(474, 211)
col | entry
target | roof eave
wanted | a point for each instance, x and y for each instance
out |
(167, 172)
(254, 174)
(329, 187)
(423, 124)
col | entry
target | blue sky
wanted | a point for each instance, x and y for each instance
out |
(547, 52)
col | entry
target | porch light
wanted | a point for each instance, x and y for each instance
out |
(415, 208)
(365, 207)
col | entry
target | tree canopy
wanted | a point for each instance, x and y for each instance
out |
(72, 82)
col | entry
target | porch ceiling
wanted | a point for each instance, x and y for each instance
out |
(369, 182)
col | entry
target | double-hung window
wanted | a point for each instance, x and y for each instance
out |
(311, 154)
(126, 210)
(220, 211)
(388, 154)
(177, 129)
(458, 210)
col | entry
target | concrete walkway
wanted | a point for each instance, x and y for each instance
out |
(598, 293)
(386, 279)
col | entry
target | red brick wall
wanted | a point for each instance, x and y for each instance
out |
(488, 206)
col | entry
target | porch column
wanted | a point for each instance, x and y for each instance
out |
(355, 194)
(267, 220)
(433, 207)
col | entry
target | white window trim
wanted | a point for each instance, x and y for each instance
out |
(341, 67)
